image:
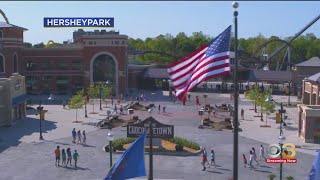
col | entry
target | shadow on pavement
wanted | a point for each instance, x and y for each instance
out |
(224, 169)
(263, 171)
(10, 136)
(216, 172)
(76, 168)
(265, 166)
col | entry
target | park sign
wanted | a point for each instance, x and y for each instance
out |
(159, 130)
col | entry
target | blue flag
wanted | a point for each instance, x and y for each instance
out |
(315, 170)
(131, 163)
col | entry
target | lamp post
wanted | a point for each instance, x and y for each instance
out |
(281, 111)
(235, 5)
(281, 142)
(85, 104)
(100, 89)
(110, 138)
(40, 108)
(289, 93)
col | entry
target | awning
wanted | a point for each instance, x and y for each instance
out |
(271, 76)
(19, 99)
(156, 73)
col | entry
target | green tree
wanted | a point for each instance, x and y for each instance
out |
(261, 100)
(268, 108)
(77, 101)
(27, 45)
(93, 92)
(39, 45)
(106, 91)
(252, 95)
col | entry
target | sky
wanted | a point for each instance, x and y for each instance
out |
(150, 19)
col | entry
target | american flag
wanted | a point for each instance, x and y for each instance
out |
(205, 63)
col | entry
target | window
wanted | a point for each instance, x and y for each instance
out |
(77, 65)
(1, 34)
(122, 42)
(46, 77)
(116, 42)
(45, 65)
(2, 63)
(15, 63)
(90, 42)
(62, 66)
(29, 66)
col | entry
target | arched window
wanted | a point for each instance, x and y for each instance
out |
(2, 63)
(15, 63)
(1, 34)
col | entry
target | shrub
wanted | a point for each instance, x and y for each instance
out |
(118, 143)
(271, 176)
(185, 143)
(289, 178)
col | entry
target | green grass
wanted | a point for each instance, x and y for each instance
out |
(118, 143)
(185, 143)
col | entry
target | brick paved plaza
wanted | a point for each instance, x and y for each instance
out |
(23, 156)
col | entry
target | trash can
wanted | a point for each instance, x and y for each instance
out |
(278, 120)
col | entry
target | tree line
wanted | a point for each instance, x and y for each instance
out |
(304, 47)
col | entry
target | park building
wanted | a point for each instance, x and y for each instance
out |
(92, 56)
(12, 99)
(309, 110)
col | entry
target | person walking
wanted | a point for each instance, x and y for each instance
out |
(197, 101)
(57, 154)
(84, 137)
(255, 155)
(203, 161)
(64, 104)
(64, 157)
(159, 108)
(244, 160)
(79, 136)
(115, 109)
(69, 157)
(250, 160)
(164, 108)
(189, 97)
(242, 113)
(212, 159)
(206, 154)
(74, 135)
(261, 154)
(75, 158)
(121, 109)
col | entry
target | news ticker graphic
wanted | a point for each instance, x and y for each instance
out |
(287, 151)
(51, 22)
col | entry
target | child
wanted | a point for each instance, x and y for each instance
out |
(75, 158)
(261, 154)
(251, 159)
(244, 160)
(57, 153)
(79, 136)
(69, 157)
(212, 159)
(74, 135)
(203, 162)
(84, 137)
(63, 154)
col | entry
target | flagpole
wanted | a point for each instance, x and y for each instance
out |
(235, 95)
(150, 152)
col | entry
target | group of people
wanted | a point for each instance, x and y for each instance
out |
(66, 157)
(204, 159)
(116, 109)
(253, 157)
(81, 137)
(163, 108)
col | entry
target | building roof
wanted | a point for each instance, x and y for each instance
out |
(160, 73)
(7, 25)
(315, 77)
(312, 62)
(270, 76)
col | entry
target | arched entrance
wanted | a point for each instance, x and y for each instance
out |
(104, 68)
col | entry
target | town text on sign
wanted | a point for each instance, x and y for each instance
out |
(159, 130)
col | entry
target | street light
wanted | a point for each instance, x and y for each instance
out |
(289, 104)
(281, 111)
(40, 108)
(281, 142)
(110, 138)
(100, 89)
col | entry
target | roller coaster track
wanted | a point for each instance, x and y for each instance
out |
(4, 16)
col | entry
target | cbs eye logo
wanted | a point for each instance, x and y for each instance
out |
(288, 150)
